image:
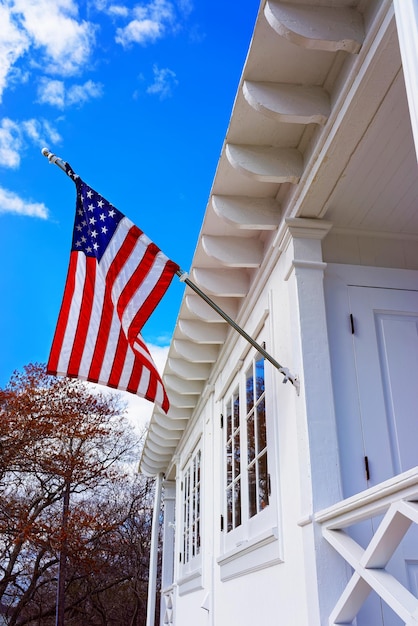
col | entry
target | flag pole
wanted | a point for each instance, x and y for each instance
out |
(283, 370)
(52, 158)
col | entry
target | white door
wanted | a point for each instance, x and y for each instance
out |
(376, 383)
(385, 345)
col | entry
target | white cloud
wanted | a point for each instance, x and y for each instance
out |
(115, 10)
(138, 31)
(51, 91)
(10, 143)
(164, 81)
(13, 43)
(118, 11)
(13, 135)
(40, 131)
(78, 94)
(10, 202)
(53, 27)
(185, 6)
(54, 92)
(51, 132)
(149, 23)
(50, 35)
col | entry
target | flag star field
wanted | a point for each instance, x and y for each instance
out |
(95, 223)
(137, 97)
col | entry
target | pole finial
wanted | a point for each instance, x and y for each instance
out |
(52, 158)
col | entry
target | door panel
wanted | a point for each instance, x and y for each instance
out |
(385, 345)
(398, 351)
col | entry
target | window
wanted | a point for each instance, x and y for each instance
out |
(191, 509)
(247, 479)
(250, 531)
(258, 479)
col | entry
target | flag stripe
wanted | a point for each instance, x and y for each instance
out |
(111, 345)
(121, 255)
(135, 377)
(152, 387)
(129, 364)
(103, 337)
(118, 361)
(71, 326)
(137, 279)
(83, 317)
(155, 295)
(64, 313)
(93, 327)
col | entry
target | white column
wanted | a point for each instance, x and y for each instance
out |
(302, 246)
(168, 541)
(168, 533)
(316, 424)
(152, 575)
(406, 13)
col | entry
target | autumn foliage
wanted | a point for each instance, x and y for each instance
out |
(72, 511)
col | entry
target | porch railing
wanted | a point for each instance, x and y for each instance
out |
(167, 606)
(397, 501)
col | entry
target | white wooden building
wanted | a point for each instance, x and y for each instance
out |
(296, 504)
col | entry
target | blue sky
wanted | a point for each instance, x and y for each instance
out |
(137, 98)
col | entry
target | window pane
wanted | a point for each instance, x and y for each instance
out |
(237, 497)
(252, 491)
(259, 373)
(228, 449)
(237, 456)
(236, 410)
(198, 460)
(229, 520)
(250, 389)
(263, 482)
(261, 426)
(228, 419)
(250, 438)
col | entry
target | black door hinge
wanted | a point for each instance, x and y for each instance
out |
(366, 467)
(352, 324)
(222, 523)
(222, 420)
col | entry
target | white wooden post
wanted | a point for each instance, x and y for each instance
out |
(406, 13)
(152, 576)
(318, 445)
(167, 573)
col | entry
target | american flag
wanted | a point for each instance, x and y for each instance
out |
(116, 278)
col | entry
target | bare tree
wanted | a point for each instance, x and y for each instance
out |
(73, 518)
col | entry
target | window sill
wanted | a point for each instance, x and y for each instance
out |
(252, 555)
(190, 582)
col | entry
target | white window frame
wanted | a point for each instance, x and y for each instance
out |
(190, 532)
(255, 542)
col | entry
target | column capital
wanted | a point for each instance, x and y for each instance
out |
(301, 228)
(299, 240)
(169, 487)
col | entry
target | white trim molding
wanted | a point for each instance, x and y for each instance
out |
(406, 14)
